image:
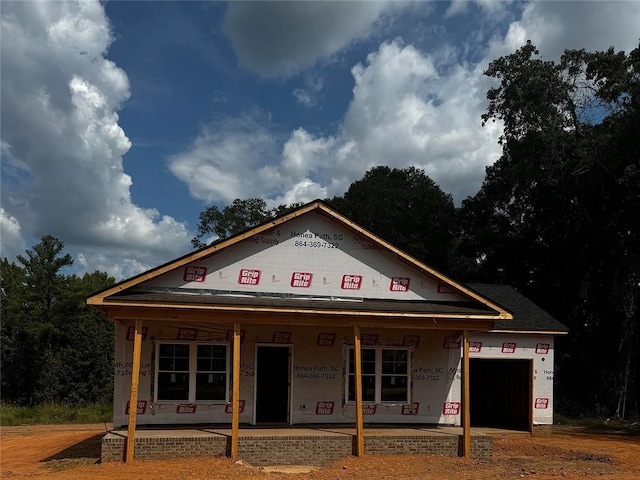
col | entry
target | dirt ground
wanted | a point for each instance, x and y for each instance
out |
(72, 451)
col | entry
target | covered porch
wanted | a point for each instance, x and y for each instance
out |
(251, 443)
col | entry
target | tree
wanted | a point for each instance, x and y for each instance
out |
(42, 270)
(406, 208)
(235, 218)
(54, 347)
(87, 353)
(557, 215)
(13, 316)
(35, 333)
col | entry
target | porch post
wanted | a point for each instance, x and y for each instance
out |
(235, 396)
(358, 379)
(133, 399)
(466, 407)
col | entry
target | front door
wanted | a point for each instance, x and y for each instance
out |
(272, 384)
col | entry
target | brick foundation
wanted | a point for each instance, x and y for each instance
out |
(446, 445)
(159, 447)
(284, 449)
(294, 450)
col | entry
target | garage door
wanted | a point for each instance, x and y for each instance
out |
(500, 393)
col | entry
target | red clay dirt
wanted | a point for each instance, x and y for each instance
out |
(72, 452)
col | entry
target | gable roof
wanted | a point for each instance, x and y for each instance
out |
(527, 316)
(124, 291)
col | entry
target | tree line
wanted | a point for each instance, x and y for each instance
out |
(557, 217)
(53, 347)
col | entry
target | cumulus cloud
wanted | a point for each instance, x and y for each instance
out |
(407, 109)
(281, 38)
(229, 158)
(556, 26)
(409, 106)
(62, 144)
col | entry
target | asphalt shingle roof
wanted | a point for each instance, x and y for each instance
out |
(527, 316)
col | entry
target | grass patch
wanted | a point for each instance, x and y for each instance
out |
(55, 413)
(630, 426)
(581, 421)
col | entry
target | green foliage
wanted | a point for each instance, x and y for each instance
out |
(55, 413)
(54, 347)
(406, 208)
(558, 214)
(235, 218)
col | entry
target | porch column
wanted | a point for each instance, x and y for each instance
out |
(358, 379)
(466, 407)
(133, 399)
(235, 396)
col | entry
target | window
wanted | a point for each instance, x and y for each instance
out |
(211, 373)
(385, 375)
(192, 372)
(173, 371)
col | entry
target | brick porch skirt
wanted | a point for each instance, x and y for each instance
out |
(291, 446)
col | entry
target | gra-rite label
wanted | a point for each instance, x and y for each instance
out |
(180, 409)
(410, 409)
(369, 339)
(451, 408)
(542, 403)
(324, 408)
(187, 333)
(194, 274)
(249, 276)
(141, 407)
(351, 282)
(542, 348)
(411, 340)
(228, 408)
(399, 284)
(281, 337)
(451, 342)
(326, 339)
(301, 279)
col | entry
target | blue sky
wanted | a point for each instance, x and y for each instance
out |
(121, 121)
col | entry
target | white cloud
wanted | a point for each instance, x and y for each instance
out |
(62, 144)
(409, 107)
(492, 8)
(281, 38)
(408, 111)
(101, 259)
(554, 26)
(12, 241)
(403, 112)
(229, 159)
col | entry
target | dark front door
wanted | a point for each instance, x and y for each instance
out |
(272, 384)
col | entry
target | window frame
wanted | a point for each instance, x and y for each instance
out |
(193, 372)
(378, 374)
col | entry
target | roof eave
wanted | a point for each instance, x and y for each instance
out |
(542, 332)
(290, 310)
